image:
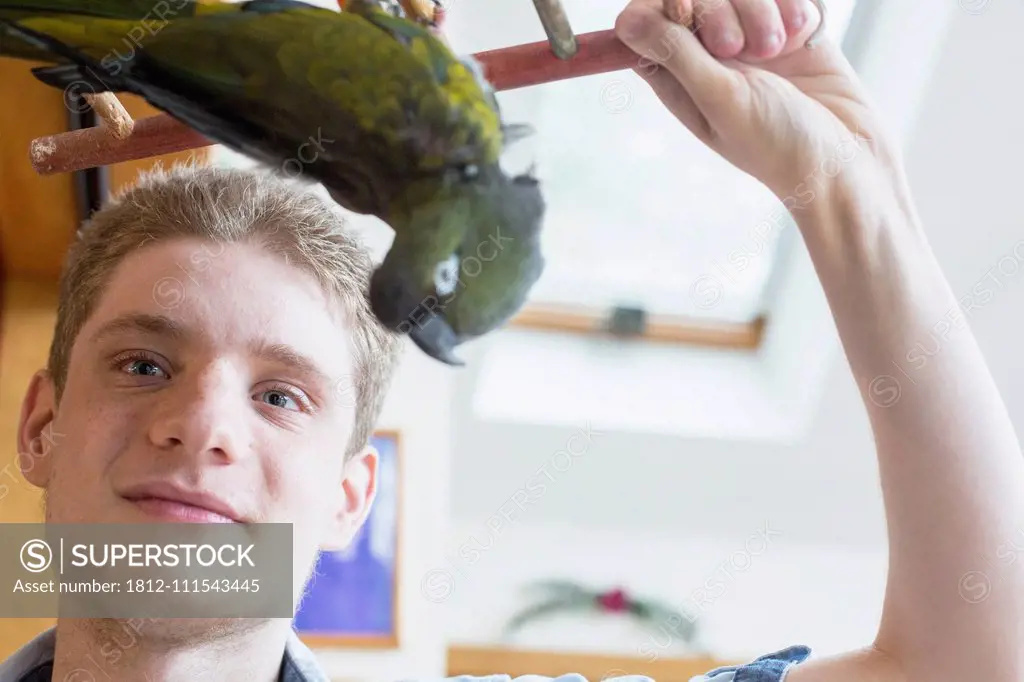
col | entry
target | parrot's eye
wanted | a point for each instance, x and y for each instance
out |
(446, 275)
(470, 171)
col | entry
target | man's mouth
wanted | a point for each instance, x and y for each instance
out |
(170, 502)
(180, 512)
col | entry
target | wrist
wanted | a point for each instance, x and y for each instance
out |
(859, 170)
(875, 265)
(867, 196)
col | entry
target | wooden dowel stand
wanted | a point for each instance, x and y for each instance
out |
(531, 64)
(561, 37)
(112, 113)
(506, 69)
(91, 147)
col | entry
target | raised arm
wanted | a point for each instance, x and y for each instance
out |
(950, 463)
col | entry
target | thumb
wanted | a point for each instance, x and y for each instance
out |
(644, 28)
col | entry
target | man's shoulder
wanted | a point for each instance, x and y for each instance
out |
(771, 667)
(29, 657)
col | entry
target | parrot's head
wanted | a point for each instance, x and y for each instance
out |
(462, 262)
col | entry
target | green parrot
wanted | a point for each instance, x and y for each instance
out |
(484, 272)
(367, 102)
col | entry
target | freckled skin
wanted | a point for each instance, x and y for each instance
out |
(204, 411)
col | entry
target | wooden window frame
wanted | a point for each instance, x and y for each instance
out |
(581, 320)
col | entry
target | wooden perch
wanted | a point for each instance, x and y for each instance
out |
(556, 25)
(91, 147)
(506, 68)
(109, 109)
(521, 66)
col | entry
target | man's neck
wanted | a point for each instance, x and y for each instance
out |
(168, 650)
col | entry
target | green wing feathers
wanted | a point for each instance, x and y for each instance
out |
(266, 77)
(92, 36)
(146, 13)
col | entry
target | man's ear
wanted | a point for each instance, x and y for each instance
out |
(36, 436)
(359, 488)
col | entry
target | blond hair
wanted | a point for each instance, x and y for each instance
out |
(233, 205)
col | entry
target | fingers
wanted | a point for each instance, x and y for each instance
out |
(754, 30)
(644, 28)
(802, 18)
(796, 14)
(763, 29)
(718, 25)
(680, 11)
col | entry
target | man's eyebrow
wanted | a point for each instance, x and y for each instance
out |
(286, 355)
(157, 325)
(161, 325)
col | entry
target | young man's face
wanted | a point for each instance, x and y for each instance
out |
(204, 388)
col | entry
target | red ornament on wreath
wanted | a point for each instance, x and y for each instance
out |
(614, 601)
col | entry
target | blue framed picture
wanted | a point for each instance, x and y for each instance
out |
(352, 597)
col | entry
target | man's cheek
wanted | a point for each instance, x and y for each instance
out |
(89, 456)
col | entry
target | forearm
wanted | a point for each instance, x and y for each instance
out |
(950, 464)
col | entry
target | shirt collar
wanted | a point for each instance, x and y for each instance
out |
(299, 665)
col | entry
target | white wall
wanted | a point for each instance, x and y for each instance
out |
(418, 407)
(660, 516)
(761, 592)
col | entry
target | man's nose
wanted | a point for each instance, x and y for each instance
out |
(203, 415)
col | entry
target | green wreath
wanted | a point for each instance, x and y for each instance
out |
(564, 595)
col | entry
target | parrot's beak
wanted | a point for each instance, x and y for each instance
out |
(436, 339)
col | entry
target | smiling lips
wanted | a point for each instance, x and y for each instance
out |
(171, 503)
(171, 510)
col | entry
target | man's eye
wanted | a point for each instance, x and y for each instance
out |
(284, 399)
(139, 363)
(143, 368)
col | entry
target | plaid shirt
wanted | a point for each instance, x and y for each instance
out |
(33, 663)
